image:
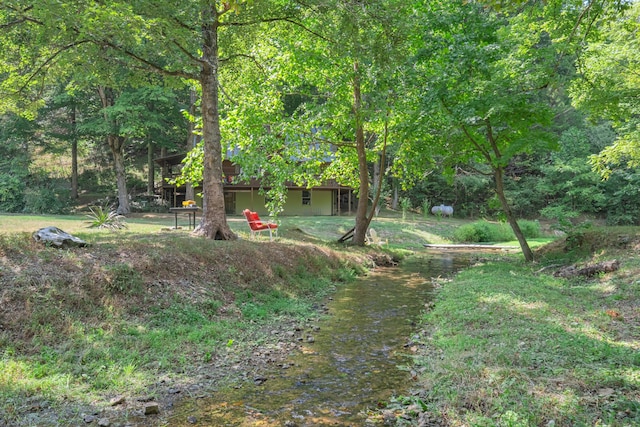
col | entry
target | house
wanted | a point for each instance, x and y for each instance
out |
(330, 198)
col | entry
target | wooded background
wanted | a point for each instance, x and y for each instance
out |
(502, 109)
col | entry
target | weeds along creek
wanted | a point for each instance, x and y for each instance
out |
(357, 358)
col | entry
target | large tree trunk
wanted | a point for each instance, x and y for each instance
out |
(396, 195)
(214, 219)
(74, 154)
(498, 174)
(116, 145)
(362, 221)
(376, 183)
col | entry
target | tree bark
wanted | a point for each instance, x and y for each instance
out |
(362, 221)
(396, 195)
(152, 171)
(498, 174)
(74, 154)
(116, 145)
(213, 223)
(376, 183)
(192, 141)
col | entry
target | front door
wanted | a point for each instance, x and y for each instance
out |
(230, 203)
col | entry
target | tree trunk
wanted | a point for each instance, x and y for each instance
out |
(116, 145)
(74, 154)
(498, 174)
(152, 171)
(377, 181)
(396, 196)
(213, 223)
(192, 141)
(362, 221)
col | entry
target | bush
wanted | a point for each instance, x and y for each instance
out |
(486, 232)
(530, 229)
(483, 231)
(49, 198)
(11, 193)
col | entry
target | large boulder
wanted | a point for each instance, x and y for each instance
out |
(56, 237)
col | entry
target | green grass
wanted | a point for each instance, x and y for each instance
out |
(148, 302)
(408, 234)
(79, 325)
(508, 345)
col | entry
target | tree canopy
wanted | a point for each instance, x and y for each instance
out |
(343, 90)
(609, 87)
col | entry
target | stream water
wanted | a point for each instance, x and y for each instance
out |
(354, 362)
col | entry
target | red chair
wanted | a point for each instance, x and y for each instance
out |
(256, 225)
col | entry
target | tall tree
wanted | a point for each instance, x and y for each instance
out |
(483, 96)
(357, 64)
(60, 121)
(179, 40)
(328, 98)
(609, 87)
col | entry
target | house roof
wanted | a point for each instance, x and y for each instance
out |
(172, 159)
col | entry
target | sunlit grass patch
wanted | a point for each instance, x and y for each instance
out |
(508, 346)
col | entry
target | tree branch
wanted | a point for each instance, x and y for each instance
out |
(224, 92)
(466, 132)
(187, 53)
(281, 19)
(47, 61)
(243, 55)
(154, 67)
(12, 23)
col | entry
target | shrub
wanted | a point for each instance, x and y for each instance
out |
(11, 192)
(49, 198)
(485, 231)
(530, 229)
(480, 231)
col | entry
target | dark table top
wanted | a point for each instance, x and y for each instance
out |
(185, 209)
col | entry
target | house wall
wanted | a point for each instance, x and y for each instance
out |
(321, 203)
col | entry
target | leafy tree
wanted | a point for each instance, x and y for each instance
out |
(569, 184)
(15, 132)
(609, 87)
(135, 117)
(61, 121)
(483, 76)
(177, 40)
(328, 101)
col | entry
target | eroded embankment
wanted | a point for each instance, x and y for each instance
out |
(99, 333)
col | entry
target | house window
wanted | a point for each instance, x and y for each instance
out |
(306, 197)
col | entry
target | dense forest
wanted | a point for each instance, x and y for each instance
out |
(504, 110)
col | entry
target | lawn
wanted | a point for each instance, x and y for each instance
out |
(409, 234)
(502, 345)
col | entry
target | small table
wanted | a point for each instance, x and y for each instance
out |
(188, 211)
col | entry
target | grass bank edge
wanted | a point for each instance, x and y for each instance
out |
(509, 344)
(112, 327)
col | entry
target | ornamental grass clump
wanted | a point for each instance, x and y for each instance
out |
(101, 218)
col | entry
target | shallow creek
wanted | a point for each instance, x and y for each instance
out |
(353, 363)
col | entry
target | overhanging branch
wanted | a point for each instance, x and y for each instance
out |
(153, 67)
(48, 61)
